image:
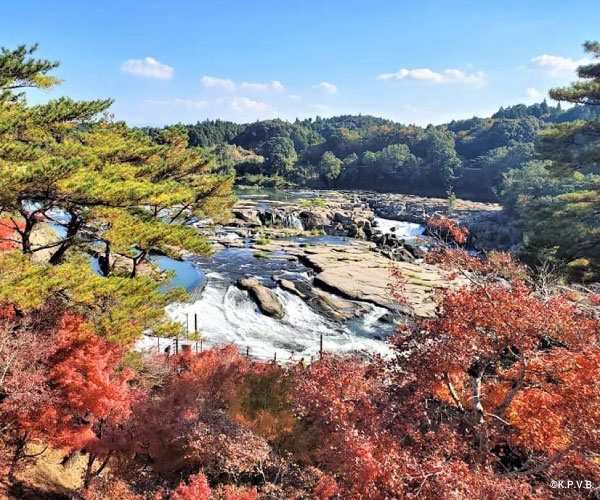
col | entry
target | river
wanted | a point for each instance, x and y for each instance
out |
(225, 314)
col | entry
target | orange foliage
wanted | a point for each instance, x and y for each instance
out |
(197, 489)
(445, 227)
(491, 399)
(9, 240)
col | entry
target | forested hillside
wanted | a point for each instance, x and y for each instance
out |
(467, 156)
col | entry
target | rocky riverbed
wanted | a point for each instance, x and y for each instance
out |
(358, 273)
(302, 265)
(354, 214)
(291, 269)
(378, 232)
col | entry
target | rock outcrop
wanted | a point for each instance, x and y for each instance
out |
(263, 296)
(418, 209)
(357, 273)
(337, 213)
(330, 306)
(351, 214)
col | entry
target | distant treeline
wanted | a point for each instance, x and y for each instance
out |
(469, 157)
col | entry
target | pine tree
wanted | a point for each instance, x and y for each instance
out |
(67, 157)
(573, 149)
(115, 192)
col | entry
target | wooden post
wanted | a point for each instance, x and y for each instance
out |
(321, 347)
(201, 346)
(176, 345)
(195, 322)
(158, 343)
(196, 345)
(275, 357)
(247, 352)
(187, 323)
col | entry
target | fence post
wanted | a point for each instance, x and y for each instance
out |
(176, 345)
(247, 352)
(187, 323)
(275, 357)
(158, 344)
(321, 347)
(195, 322)
(201, 346)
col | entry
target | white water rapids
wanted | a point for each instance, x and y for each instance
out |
(406, 230)
(228, 315)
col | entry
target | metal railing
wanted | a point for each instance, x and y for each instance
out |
(174, 345)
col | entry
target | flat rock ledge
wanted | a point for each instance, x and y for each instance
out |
(356, 273)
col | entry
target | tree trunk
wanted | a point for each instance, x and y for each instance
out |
(72, 228)
(104, 260)
(136, 262)
(30, 222)
(18, 454)
(477, 406)
(89, 472)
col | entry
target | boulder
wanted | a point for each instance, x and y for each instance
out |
(264, 297)
(291, 287)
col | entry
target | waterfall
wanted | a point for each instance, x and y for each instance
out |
(291, 221)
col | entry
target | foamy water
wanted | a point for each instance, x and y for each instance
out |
(400, 228)
(228, 315)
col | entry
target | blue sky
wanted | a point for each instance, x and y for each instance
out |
(415, 61)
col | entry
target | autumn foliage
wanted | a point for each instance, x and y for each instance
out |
(61, 386)
(8, 233)
(493, 397)
(447, 229)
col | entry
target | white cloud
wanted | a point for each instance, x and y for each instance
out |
(295, 98)
(532, 92)
(246, 105)
(451, 75)
(556, 65)
(147, 68)
(328, 88)
(220, 83)
(261, 87)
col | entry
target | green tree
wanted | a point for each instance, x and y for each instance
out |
(394, 158)
(280, 155)
(576, 145)
(19, 71)
(441, 155)
(110, 191)
(330, 167)
(64, 157)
